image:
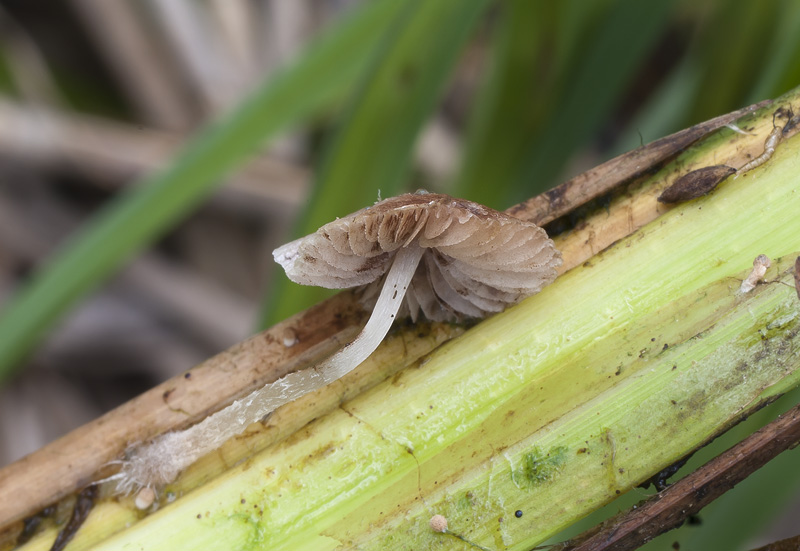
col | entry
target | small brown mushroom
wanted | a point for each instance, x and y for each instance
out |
(447, 258)
(423, 252)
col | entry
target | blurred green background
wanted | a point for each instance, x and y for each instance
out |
(153, 153)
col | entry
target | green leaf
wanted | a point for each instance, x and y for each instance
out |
(732, 51)
(134, 220)
(507, 117)
(372, 150)
(780, 70)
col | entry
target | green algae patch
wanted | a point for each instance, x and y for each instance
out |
(537, 466)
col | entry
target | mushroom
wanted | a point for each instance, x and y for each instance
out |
(448, 258)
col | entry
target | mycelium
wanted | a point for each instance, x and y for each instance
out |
(448, 258)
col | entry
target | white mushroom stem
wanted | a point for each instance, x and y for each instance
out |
(160, 461)
(394, 289)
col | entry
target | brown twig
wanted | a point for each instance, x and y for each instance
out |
(671, 507)
(600, 180)
(788, 544)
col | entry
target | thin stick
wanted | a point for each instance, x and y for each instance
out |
(669, 508)
(600, 180)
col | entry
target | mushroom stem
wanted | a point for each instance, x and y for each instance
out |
(383, 315)
(160, 461)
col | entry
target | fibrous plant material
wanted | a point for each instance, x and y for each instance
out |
(447, 258)
(511, 416)
(266, 354)
(265, 357)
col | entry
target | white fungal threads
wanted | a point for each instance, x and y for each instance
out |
(447, 258)
(760, 265)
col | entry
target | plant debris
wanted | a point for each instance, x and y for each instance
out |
(695, 184)
(80, 513)
(760, 265)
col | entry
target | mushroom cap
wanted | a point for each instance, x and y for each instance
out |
(477, 260)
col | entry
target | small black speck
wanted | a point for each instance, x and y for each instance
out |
(518, 514)
(187, 376)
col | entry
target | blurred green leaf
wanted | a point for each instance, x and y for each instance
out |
(372, 150)
(732, 54)
(666, 111)
(132, 221)
(780, 71)
(507, 116)
(558, 72)
(6, 80)
(618, 45)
